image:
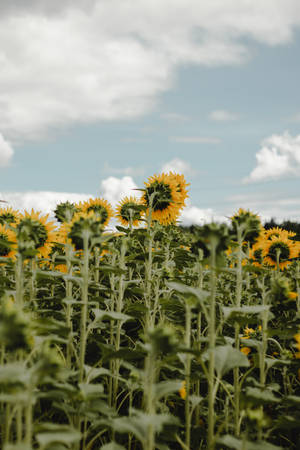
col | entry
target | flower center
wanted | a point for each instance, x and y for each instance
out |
(282, 249)
(162, 198)
(4, 249)
(100, 211)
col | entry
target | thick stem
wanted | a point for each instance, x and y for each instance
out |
(188, 318)
(238, 299)
(84, 304)
(211, 348)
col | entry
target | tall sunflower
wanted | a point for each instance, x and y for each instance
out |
(280, 250)
(162, 190)
(8, 216)
(37, 228)
(7, 242)
(256, 253)
(129, 210)
(100, 207)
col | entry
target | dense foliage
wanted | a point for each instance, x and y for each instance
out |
(151, 337)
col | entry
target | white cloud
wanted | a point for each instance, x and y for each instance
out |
(268, 205)
(123, 170)
(6, 152)
(195, 140)
(192, 215)
(174, 117)
(44, 201)
(278, 157)
(65, 62)
(114, 189)
(179, 166)
(221, 115)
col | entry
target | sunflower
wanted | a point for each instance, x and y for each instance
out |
(84, 223)
(279, 250)
(277, 232)
(249, 224)
(8, 216)
(36, 228)
(181, 187)
(256, 253)
(7, 242)
(129, 210)
(163, 191)
(100, 207)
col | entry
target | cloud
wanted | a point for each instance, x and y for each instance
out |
(65, 62)
(221, 115)
(123, 170)
(174, 117)
(268, 205)
(114, 189)
(179, 166)
(192, 215)
(6, 152)
(195, 140)
(44, 201)
(278, 157)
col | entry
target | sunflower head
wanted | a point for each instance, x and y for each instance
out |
(279, 251)
(35, 234)
(181, 185)
(277, 232)
(130, 211)
(162, 196)
(248, 223)
(7, 242)
(99, 207)
(64, 212)
(256, 254)
(8, 216)
(84, 225)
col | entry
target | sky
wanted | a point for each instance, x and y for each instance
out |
(97, 96)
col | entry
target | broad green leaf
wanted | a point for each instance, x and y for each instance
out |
(112, 446)
(52, 433)
(226, 358)
(234, 312)
(237, 444)
(91, 391)
(165, 388)
(112, 315)
(259, 396)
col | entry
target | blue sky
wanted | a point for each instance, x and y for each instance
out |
(93, 105)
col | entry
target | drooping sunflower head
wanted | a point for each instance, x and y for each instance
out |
(279, 250)
(162, 196)
(99, 207)
(7, 242)
(248, 224)
(35, 234)
(65, 211)
(130, 211)
(8, 216)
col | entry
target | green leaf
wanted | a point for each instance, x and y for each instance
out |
(91, 391)
(226, 358)
(234, 312)
(112, 446)
(165, 388)
(54, 433)
(112, 315)
(259, 396)
(237, 444)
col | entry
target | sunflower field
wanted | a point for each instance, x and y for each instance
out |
(150, 336)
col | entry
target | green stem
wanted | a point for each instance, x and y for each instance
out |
(188, 319)
(211, 348)
(84, 304)
(238, 299)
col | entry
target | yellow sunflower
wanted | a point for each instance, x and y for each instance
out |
(166, 199)
(129, 210)
(277, 232)
(256, 253)
(8, 242)
(8, 216)
(181, 187)
(100, 207)
(39, 230)
(281, 250)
